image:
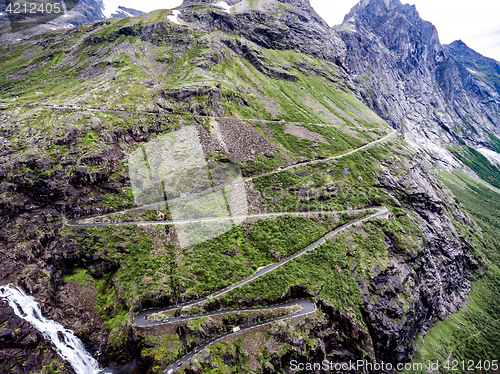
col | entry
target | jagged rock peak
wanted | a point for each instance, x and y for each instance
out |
(274, 24)
(459, 48)
(400, 27)
(381, 8)
(389, 4)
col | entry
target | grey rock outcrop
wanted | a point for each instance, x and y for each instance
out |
(407, 77)
(276, 24)
(123, 12)
(483, 68)
(434, 279)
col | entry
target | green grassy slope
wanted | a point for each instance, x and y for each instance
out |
(478, 163)
(105, 72)
(495, 142)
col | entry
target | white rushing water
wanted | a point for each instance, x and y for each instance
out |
(67, 345)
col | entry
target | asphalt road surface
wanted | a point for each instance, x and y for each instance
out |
(83, 222)
(307, 307)
(326, 159)
(140, 319)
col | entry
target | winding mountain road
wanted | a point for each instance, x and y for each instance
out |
(312, 162)
(83, 222)
(140, 319)
(307, 307)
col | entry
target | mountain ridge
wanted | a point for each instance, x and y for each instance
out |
(417, 82)
(261, 93)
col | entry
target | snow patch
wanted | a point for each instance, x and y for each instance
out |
(492, 156)
(222, 4)
(126, 13)
(174, 17)
(109, 8)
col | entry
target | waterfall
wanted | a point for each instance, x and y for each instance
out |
(67, 345)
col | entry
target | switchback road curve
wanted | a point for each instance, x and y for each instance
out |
(91, 221)
(140, 319)
(307, 307)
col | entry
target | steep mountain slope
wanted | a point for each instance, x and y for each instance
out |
(483, 68)
(416, 84)
(264, 86)
(473, 333)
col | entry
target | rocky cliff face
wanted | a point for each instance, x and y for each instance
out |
(439, 273)
(275, 24)
(411, 80)
(23, 348)
(393, 57)
(483, 68)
